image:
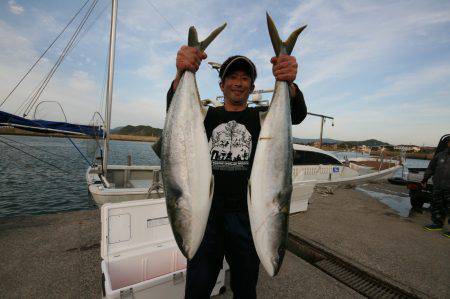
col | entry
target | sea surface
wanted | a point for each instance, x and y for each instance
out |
(29, 186)
(40, 175)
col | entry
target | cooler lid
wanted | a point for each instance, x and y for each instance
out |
(133, 225)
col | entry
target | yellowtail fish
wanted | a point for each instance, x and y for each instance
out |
(270, 184)
(185, 160)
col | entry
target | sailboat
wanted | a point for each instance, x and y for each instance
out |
(42, 126)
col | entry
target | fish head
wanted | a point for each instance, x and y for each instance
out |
(273, 264)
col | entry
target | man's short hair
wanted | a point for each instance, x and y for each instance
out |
(237, 62)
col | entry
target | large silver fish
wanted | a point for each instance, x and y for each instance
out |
(270, 184)
(185, 160)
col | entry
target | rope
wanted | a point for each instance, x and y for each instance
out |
(63, 55)
(21, 143)
(34, 97)
(173, 28)
(162, 16)
(37, 158)
(46, 151)
(87, 161)
(42, 55)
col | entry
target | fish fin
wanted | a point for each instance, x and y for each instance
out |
(157, 147)
(204, 111)
(290, 42)
(193, 38)
(279, 46)
(262, 117)
(211, 188)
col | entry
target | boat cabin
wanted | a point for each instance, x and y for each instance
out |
(307, 155)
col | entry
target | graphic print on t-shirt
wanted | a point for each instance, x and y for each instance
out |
(231, 146)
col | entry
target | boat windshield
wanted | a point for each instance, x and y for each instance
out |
(313, 158)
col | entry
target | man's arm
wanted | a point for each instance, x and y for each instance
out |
(298, 106)
(169, 96)
(285, 69)
(430, 170)
(188, 59)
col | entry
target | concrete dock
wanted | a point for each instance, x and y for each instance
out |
(58, 256)
(370, 235)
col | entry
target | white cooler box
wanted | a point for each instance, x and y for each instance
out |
(140, 256)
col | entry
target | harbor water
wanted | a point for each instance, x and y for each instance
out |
(29, 185)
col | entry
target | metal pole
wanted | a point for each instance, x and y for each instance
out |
(322, 120)
(109, 86)
(259, 91)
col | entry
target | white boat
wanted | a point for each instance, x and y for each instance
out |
(312, 167)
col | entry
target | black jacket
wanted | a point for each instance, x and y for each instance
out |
(439, 169)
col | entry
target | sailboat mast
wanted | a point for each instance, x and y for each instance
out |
(109, 86)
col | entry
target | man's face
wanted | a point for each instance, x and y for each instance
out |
(236, 87)
(448, 143)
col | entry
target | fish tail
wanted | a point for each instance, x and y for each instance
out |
(279, 46)
(193, 38)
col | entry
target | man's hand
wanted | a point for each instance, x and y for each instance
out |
(188, 59)
(285, 69)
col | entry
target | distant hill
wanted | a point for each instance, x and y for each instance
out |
(150, 131)
(311, 140)
(137, 131)
(115, 130)
(369, 142)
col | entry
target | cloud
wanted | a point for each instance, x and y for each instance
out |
(413, 82)
(347, 37)
(81, 82)
(139, 111)
(15, 8)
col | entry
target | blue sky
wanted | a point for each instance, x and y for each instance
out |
(381, 68)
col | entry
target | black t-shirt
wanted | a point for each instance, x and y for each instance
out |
(233, 137)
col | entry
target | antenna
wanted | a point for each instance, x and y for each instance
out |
(215, 65)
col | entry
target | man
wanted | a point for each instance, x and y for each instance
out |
(232, 131)
(439, 169)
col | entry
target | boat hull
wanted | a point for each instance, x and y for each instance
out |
(305, 178)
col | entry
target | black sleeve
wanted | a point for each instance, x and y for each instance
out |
(298, 107)
(169, 96)
(431, 169)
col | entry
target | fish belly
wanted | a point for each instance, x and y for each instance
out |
(270, 185)
(186, 167)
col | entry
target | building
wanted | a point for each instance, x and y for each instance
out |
(407, 148)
